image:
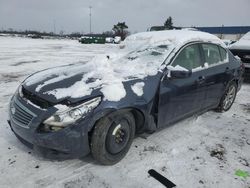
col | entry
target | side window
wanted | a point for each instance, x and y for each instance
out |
(189, 57)
(211, 53)
(224, 54)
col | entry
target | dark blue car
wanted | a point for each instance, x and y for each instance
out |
(153, 80)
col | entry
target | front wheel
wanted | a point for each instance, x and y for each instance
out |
(228, 98)
(112, 137)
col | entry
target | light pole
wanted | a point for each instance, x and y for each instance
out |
(90, 15)
(54, 23)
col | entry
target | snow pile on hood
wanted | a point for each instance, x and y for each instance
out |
(243, 43)
(141, 55)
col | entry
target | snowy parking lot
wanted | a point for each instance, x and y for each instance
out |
(202, 151)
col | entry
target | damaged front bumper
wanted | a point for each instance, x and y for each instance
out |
(26, 121)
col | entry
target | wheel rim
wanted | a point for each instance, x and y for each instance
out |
(229, 97)
(118, 136)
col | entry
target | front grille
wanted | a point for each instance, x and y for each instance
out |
(20, 114)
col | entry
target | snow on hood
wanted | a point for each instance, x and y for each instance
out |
(138, 88)
(141, 55)
(243, 43)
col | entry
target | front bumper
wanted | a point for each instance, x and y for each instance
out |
(71, 140)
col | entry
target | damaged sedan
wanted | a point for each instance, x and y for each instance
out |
(153, 80)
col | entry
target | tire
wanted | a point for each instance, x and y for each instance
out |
(112, 137)
(228, 98)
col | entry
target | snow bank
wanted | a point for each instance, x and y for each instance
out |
(142, 55)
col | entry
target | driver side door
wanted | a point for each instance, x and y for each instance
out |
(181, 97)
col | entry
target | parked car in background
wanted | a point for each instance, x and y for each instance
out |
(228, 42)
(190, 29)
(34, 36)
(92, 40)
(155, 80)
(109, 40)
(117, 40)
(242, 50)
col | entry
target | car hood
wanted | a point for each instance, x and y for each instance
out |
(100, 77)
(241, 45)
(47, 86)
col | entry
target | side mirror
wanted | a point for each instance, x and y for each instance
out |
(180, 74)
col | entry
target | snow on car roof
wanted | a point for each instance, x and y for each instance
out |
(142, 55)
(176, 37)
(243, 43)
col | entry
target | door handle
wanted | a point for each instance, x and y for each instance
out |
(227, 70)
(201, 80)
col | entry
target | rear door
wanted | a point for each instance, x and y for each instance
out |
(217, 73)
(180, 97)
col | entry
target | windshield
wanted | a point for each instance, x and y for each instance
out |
(149, 55)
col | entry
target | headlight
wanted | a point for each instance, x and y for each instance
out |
(20, 90)
(69, 115)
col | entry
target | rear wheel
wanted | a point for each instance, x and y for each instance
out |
(228, 98)
(112, 137)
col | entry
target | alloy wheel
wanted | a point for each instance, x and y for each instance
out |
(229, 97)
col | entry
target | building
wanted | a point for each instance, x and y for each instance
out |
(160, 28)
(223, 32)
(226, 32)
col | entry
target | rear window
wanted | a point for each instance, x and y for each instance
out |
(224, 55)
(211, 53)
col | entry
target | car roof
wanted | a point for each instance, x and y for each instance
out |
(175, 37)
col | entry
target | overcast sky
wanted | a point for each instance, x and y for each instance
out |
(139, 15)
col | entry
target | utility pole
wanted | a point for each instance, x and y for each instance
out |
(54, 22)
(90, 21)
(221, 37)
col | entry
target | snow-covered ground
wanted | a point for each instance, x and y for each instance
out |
(203, 151)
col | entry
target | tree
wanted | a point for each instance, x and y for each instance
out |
(108, 33)
(169, 23)
(61, 33)
(120, 30)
